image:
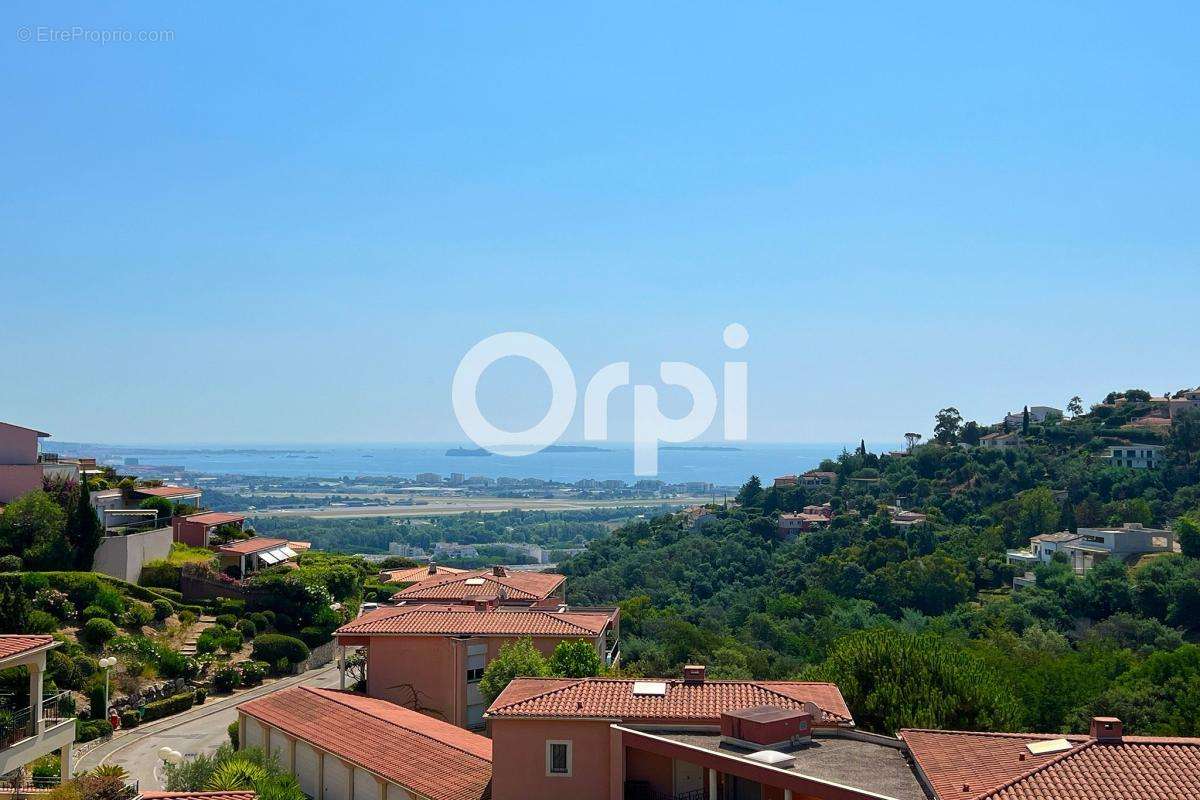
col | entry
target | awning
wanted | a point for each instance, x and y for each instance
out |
(269, 556)
(276, 554)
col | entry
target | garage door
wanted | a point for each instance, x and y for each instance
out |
(254, 733)
(307, 769)
(337, 779)
(365, 785)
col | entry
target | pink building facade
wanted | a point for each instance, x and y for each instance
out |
(20, 470)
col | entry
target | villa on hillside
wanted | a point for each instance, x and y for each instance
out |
(410, 575)
(1001, 440)
(1015, 420)
(1089, 546)
(1137, 456)
(1187, 400)
(431, 657)
(813, 517)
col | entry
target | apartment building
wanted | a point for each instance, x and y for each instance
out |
(431, 657)
(21, 464)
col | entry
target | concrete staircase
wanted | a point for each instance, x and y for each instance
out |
(204, 623)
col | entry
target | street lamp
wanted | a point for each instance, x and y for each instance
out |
(170, 756)
(106, 664)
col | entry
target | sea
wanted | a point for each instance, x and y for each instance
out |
(722, 465)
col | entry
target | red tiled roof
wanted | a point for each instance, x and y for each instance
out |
(424, 755)
(15, 644)
(198, 795)
(255, 544)
(693, 703)
(1134, 768)
(460, 620)
(215, 518)
(413, 574)
(514, 585)
(167, 491)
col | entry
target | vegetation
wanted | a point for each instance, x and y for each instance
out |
(520, 659)
(919, 623)
(229, 769)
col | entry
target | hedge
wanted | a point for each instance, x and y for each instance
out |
(171, 705)
(274, 647)
(160, 574)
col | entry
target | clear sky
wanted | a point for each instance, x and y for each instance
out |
(289, 222)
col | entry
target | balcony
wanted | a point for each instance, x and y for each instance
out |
(23, 737)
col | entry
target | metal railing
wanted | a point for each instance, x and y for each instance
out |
(18, 725)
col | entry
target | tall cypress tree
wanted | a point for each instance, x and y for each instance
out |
(84, 530)
(1025, 421)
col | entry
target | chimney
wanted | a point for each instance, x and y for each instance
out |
(432, 568)
(1107, 729)
(693, 674)
(499, 571)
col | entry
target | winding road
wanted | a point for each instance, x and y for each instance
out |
(199, 730)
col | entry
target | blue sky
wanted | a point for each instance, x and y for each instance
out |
(290, 222)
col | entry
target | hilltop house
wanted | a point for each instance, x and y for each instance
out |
(1088, 546)
(1002, 440)
(431, 657)
(1015, 420)
(812, 518)
(1185, 401)
(1137, 456)
(46, 725)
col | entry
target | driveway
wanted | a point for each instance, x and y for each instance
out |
(199, 730)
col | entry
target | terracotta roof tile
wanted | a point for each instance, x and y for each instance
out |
(167, 491)
(215, 517)
(254, 544)
(460, 620)
(413, 574)
(695, 703)
(424, 755)
(16, 644)
(484, 584)
(1135, 768)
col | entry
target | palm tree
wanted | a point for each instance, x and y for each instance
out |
(235, 775)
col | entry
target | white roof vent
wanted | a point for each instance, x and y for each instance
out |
(475, 581)
(773, 758)
(1048, 746)
(649, 689)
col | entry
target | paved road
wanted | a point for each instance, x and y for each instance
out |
(199, 730)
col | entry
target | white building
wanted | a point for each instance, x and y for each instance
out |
(1137, 456)
(43, 726)
(1089, 546)
(1037, 414)
(1000, 440)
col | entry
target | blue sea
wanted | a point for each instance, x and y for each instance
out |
(613, 462)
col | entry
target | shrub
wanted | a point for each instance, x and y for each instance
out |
(261, 624)
(227, 605)
(231, 642)
(227, 621)
(201, 696)
(93, 612)
(270, 616)
(52, 601)
(137, 616)
(170, 594)
(41, 622)
(160, 574)
(227, 678)
(162, 609)
(247, 628)
(168, 706)
(253, 672)
(173, 664)
(96, 632)
(14, 602)
(87, 730)
(187, 617)
(273, 647)
(210, 639)
(315, 637)
(232, 730)
(10, 563)
(130, 718)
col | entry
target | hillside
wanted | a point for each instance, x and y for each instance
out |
(920, 619)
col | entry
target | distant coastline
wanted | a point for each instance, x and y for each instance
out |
(460, 452)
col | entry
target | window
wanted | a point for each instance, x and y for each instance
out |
(474, 675)
(558, 758)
